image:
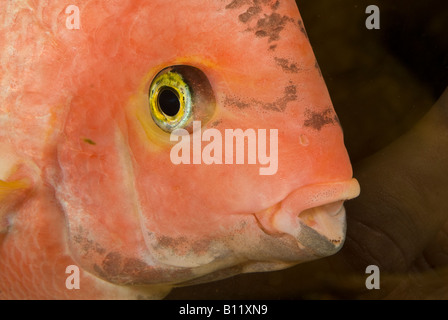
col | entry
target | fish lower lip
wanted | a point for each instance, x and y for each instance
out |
(312, 214)
(327, 220)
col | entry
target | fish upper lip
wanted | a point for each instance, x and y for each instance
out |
(316, 206)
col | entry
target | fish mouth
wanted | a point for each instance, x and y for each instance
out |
(312, 217)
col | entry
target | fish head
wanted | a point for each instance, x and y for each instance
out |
(162, 106)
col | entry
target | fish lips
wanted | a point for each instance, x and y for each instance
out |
(311, 220)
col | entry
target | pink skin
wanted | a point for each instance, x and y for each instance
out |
(133, 217)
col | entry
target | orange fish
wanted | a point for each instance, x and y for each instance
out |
(153, 144)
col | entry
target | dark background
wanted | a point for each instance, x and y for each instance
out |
(381, 83)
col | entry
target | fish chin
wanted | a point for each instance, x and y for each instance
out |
(308, 224)
(265, 251)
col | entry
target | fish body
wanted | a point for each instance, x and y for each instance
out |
(86, 168)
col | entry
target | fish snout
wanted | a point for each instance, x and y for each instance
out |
(313, 215)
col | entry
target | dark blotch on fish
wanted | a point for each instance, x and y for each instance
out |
(112, 264)
(181, 244)
(169, 242)
(236, 102)
(275, 5)
(271, 25)
(235, 4)
(89, 141)
(290, 94)
(122, 270)
(317, 120)
(136, 268)
(86, 245)
(286, 65)
(302, 28)
(216, 123)
(261, 1)
(249, 14)
(131, 271)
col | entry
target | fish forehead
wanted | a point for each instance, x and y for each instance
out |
(255, 54)
(245, 52)
(248, 44)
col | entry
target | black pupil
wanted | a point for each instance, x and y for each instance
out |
(169, 103)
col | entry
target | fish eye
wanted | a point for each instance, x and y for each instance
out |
(178, 95)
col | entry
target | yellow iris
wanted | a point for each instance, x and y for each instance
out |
(170, 100)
